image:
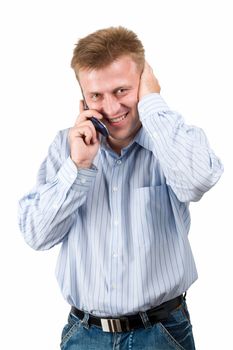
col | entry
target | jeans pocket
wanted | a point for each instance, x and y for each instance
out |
(169, 337)
(177, 328)
(69, 329)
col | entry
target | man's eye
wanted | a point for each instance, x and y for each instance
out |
(95, 97)
(120, 91)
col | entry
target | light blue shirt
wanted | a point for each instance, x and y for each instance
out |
(123, 223)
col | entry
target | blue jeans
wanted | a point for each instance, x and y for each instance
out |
(173, 334)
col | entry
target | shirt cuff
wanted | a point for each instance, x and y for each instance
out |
(150, 104)
(79, 179)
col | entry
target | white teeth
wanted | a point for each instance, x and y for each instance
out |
(115, 120)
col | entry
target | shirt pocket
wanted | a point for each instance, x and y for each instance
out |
(151, 215)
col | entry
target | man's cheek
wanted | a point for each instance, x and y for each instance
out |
(133, 101)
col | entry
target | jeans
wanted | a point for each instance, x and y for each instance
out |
(173, 334)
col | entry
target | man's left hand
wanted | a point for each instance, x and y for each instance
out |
(148, 82)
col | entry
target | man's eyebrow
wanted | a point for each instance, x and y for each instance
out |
(94, 93)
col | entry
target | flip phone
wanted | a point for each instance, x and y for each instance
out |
(99, 126)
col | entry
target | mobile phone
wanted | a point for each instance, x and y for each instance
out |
(99, 126)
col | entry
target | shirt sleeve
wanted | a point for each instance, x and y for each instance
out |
(47, 212)
(189, 164)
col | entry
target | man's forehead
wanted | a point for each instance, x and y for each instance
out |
(117, 74)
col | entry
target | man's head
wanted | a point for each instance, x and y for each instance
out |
(108, 65)
(101, 48)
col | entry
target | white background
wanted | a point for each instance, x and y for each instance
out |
(189, 45)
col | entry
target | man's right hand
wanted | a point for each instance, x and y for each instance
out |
(83, 138)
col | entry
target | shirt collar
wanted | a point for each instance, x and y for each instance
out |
(143, 139)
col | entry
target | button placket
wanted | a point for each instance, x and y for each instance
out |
(115, 200)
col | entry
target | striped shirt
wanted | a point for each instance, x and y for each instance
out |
(124, 223)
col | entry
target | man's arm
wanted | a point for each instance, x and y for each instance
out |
(48, 211)
(190, 166)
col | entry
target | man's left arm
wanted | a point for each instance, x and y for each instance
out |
(190, 166)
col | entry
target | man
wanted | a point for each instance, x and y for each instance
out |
(119, 204)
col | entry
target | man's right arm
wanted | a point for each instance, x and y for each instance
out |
(47, 212)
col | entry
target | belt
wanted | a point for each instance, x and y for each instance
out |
(130, 322)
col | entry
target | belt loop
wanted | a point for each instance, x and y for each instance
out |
(145, 319)
(85, 319)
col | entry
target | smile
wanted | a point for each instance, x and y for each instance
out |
(117, 120)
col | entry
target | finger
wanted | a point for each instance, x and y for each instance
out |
(84, 130)
(87, 114)
(147, 67)
(84, 134)
(146, 64)
(88, 123)
(88, 137)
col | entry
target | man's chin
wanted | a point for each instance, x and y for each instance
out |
(122, 139)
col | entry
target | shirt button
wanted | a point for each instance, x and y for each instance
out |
(113, 286)
(83, 181)
(115, 255)
(119, 161)
(115, 222)
(115, 189)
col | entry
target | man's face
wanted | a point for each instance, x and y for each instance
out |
(113, 92)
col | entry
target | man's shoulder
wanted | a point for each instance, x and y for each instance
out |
(61, 137)
(61, 142)
(63, 133)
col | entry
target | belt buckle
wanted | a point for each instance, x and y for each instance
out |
(113, 324)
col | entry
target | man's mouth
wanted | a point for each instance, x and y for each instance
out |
(118, 119)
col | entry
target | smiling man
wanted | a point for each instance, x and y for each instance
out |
(120, 204)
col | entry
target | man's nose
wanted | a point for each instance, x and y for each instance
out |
(110, 106)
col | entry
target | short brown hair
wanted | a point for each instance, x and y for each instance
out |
(101, 48)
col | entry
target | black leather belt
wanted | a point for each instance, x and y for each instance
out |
(130, 322)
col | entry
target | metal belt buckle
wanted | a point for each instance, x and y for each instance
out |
(114, 325)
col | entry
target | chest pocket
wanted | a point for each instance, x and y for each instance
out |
(151, 215)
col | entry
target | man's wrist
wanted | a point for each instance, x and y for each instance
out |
(151, 104)
(82, 165)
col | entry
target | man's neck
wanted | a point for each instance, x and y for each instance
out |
(118, 145)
